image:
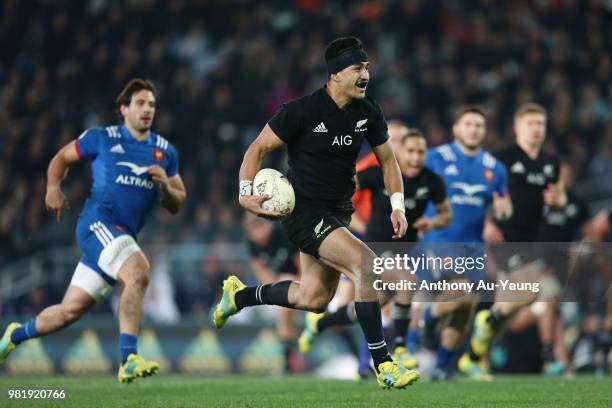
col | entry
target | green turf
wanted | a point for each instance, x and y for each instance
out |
(241, 391)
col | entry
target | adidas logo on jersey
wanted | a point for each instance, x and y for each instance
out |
(117, 149)
(451, 170)
(320, 128)
(517, 167)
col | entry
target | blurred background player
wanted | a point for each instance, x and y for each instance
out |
(475, 181)
(421, 187)
(132, 167)
(562, 226)
(323, 132)
(273, 259)
(533, 184)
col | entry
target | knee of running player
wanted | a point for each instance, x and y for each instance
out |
(313, 301)
(135, 271)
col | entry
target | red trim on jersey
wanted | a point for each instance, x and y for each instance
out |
(362, 199)
(76, 148)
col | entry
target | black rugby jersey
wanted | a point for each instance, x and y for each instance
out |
(418, 192)
(564, 224)
(527, 180)
(323, 142)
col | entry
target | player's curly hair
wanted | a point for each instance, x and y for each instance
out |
(135, 85)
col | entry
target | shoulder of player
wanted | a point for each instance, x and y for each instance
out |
(429, 174)
(490, 161)
(548, 158)
(303, 102)
(162, 143)
(444, 152)
(371, 107)
(96, 131)
(507, 153)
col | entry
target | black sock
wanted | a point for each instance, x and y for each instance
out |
(370, 320)
(287, 351)
(548, 356)
(270, 294)
(496, 319)
(341, 317)
(401, 320)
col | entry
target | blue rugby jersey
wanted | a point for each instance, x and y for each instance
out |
(122, 190)
(470, 183)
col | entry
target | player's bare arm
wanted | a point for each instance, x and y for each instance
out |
(394, 185)
(266, 142)
(501, 209)
(502, 206)
(172, 192)
(55, 200)
(442, 219)
(555, 195)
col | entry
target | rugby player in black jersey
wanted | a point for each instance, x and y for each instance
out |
(533, 182)
(421, 186)
(323, 132)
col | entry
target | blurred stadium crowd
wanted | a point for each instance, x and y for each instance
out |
(223, 68)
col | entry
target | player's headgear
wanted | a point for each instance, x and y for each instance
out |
(344, 52)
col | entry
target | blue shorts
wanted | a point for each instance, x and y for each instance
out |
(105, 245)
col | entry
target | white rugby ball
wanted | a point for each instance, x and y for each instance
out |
(273, 183)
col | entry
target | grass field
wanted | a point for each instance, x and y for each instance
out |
(240, 391)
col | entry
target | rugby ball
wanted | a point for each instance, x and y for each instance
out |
(273, 183)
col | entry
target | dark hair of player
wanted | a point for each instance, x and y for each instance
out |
(412, 132)
(135, 85)
(471, 108)
(526, 108)
(341, 45)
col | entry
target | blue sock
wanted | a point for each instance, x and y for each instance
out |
(413, 341)
(429, 318)
(128, 344)
(26, 331)
(364, 355)
(445, 356)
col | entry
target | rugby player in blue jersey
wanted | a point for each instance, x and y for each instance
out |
(475, 181)
(132, 168)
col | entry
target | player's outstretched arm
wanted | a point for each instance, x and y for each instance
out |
(55, 200)
(266, 142)
(394, 185)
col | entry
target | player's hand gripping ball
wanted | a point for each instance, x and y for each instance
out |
(273, 183)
